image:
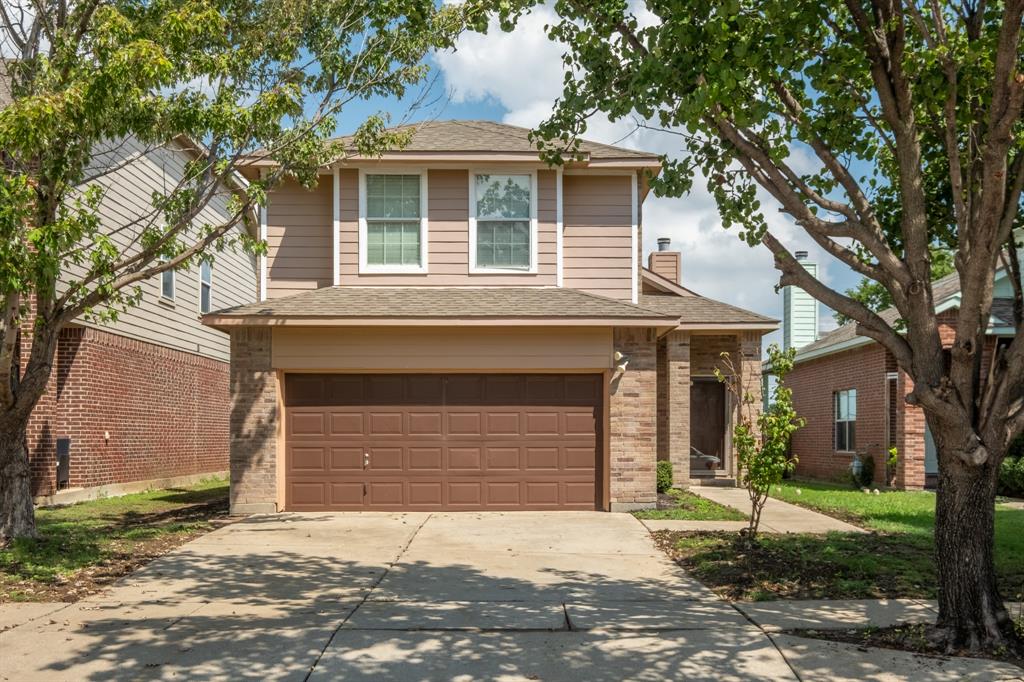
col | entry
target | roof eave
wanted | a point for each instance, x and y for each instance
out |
(223, 322)
(766, 326)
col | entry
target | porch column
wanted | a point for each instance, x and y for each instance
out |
(677, 411)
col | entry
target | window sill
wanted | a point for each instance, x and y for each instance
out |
(169, 302)
(392, 270)
(502, 271)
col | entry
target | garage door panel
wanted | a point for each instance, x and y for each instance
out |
(307, 424)
(465, 493)
(347, 424)
(502, 459)
(463, 460)
(462, 442)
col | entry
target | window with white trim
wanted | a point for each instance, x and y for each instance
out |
(167, 284)
(205, 286)
(503, 221)
(393, 220)
(846, 419)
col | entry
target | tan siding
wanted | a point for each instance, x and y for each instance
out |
(299, 227)
(442, 349)
(448, 238)
(598, 222)
(128, 188)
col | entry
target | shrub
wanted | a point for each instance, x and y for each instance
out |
(664, 476)
(1011, 477)
(866, 477)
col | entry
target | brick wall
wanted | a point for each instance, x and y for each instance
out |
(634, 416)
(674, 404)
(254, 422)
(813, 383)
(133, 410)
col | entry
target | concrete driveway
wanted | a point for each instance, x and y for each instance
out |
(546, 596)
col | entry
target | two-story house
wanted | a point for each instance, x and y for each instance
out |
(458, 326)
(144, 401)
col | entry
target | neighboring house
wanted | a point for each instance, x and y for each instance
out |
(852, 394)
(458, 326)
(144, 401)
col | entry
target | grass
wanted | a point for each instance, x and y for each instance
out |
(683, 505)
(87, 545)
(895, 560)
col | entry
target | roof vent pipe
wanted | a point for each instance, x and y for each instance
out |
(663, 243)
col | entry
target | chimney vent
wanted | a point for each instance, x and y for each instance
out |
(663, 243)
(800, 255)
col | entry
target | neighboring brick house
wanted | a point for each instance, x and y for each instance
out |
(144, 401)
(458, 326)
(852, 394)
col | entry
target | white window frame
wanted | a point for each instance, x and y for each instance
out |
(836, 420)
(364, 266)
(174, 284)
(202, 284)
(473, 267)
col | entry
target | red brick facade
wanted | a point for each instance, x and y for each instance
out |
(884, 418)
(133, 410)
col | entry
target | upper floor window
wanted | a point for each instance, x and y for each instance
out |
(503, 211)
(846, 419)
(167, 284)
(394, 217)
(205, 286)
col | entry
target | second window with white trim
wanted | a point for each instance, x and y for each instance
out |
(393, 220)
(503, 215)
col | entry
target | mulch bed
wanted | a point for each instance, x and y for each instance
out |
(913, 638)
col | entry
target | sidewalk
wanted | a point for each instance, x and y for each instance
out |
(777, 517)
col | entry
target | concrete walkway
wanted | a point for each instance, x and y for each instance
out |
(777, 516)
(562, 596)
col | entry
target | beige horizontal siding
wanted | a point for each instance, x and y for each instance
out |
(299, 228)
(135, 172)
(442, 349)
(598, 234)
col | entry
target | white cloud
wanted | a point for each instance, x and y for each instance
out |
(522, 71)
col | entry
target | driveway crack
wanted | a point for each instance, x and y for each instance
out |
(770, 639)
(366, 596)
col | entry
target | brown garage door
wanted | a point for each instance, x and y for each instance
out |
(431, 441)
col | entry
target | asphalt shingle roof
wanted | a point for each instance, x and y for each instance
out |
(942, 289)
(701, 310)
(443, 302)
(488, 136)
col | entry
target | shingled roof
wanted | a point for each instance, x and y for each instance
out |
(943, 289)
(698, 310)
(491, 137)
(445, 305)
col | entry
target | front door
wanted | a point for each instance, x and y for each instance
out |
(707, 427)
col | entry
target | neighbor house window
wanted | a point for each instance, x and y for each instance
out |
(205, 286)
(846, 419)
(503, 221)
(393, 220)
(167, 284)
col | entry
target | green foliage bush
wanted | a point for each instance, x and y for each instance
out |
(866, 477)
(1011, 477)
(664, 476)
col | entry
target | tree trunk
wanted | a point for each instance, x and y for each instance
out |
(971, 611)
(17, 516)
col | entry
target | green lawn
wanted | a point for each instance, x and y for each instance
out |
(85, 546)
(894, 560)
(690, 507)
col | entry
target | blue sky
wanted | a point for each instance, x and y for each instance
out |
(514, 78)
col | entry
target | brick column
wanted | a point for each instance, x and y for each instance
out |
(677, 379)
(634, 416)
(253, 423)
(910, 427)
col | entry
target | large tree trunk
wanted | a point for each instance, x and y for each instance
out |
(17, 516)
(971, 611)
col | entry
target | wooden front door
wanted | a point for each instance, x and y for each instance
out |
(707, 426)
